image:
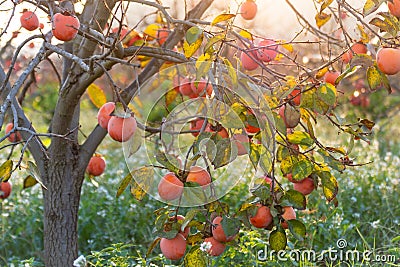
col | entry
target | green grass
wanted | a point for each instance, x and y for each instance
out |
(368, 216)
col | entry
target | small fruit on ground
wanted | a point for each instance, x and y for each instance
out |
(103, 116)
(198, 175)
(388, 60)
(248, 10)
(217, 248)
(29, 20)
(14, 137)
(121, 129)
(173, 249)
(65, 27)
(170, 187)
(305, 186)
(331, 76)
(5, 189)
(262, 218)
(96, 166)
(268, 50)
(218, 232)
(288, 214)
(249, 63)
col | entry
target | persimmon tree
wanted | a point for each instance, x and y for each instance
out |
(206, 97)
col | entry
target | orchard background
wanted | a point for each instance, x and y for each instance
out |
(275, 121)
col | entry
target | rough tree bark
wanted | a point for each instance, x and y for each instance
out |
(64, 167)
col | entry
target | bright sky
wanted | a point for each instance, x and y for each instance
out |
(274, 19)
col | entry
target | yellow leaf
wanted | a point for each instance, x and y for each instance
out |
(364, 35)
(5, 170)
(287, 46)
(190, 49)
(29, 181)
(321, 73)
(96, 95)
(222, 17)
(246, 34)
(322, 18)
(231, 71)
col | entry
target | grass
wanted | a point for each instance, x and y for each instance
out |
(368, 216)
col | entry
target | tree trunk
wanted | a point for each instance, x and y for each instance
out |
(61, 204)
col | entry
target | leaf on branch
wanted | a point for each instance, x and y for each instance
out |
(222, 17)
(152, 246)
(142, 182)
(277, 240)
(295, 199)
(376, 78)
(215, 39)
(302, 169)
(134, 143)
(231, 71)
(230, 226)
(389, 24)
(226, 153)
(322, 18)
(193, 35)
(190, 49)
(325, 4)
(329, 185)
(297, 228)
(96, 95)
(34, 172)
(300, 138)
(203, 65)
(371, 6)
(5, 170)
(29, 181)
(124, 184)
(363, 34)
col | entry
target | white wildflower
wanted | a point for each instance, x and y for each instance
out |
(80, 261)
(205, 246)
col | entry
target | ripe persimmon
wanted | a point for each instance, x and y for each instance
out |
(217, 248)
(173, 249)
(5, 189)
(170, 187)
(262, 218)
(388, 60)
(306, 186)
(356, 48)
(29, 20)
(162, 35)
(331, 76)
(185, 87)
(96, 166)
(394, 7)
(103, 116)
(288, 214)
(14, 137)
(121, 129)
(295, 96)
(218, 232)
(248, 10)
(249, 63)
(268, 50)
(198, 175)
(201, 88)
(289, 176)
(65, 27)
(240, 140)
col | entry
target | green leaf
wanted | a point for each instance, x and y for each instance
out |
(300, 138)
(262, 191)
(195, 257)
(310, 99)
(222, 17)
(29, 181)
(226, 153)
(329, 185)
(277, 240)
(295, 199)
(347, 72)
(134, 143)
(189, 216)
(193, 34)
(287, 164)
(302, 169)
(389, 24)
(96, 95)
(5, 170)
(327, 93)
(297, 228)
(124, 184)
(230, 226)
(203, 65)
(152, 246)
(168, 161)
(34, 172)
